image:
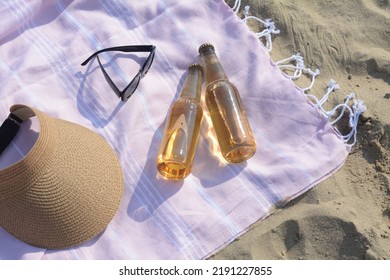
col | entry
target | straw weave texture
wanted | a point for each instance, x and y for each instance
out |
(65, 191)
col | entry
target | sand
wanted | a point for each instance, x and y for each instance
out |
(348, 215)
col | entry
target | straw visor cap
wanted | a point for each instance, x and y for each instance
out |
(65, 190)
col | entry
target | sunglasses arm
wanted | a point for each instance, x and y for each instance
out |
(137, 48)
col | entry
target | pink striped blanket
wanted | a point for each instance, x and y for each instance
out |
(42, 44)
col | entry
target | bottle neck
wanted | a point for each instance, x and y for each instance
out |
(212, 66)
(192, 84)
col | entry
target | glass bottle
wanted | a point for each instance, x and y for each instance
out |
(182, 128)
(226, 110)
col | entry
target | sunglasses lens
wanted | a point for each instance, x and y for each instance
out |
(148, 63)
(131, 88)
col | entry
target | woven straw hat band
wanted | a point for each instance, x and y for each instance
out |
(65, 190)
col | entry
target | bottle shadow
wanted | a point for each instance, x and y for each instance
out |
(152, 190)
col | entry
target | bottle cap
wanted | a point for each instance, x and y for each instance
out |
(196, 66)
(206, 46)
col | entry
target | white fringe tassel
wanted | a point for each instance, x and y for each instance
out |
(268, 24)
(236, 6)
(355, 111)
(296, 63)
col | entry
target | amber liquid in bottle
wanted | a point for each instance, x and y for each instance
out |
(182, 128)
(227, 113)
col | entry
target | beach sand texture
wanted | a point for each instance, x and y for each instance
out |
(348, 215)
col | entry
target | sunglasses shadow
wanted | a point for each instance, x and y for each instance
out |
(90, 103)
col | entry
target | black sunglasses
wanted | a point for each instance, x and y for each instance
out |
(125, 94)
